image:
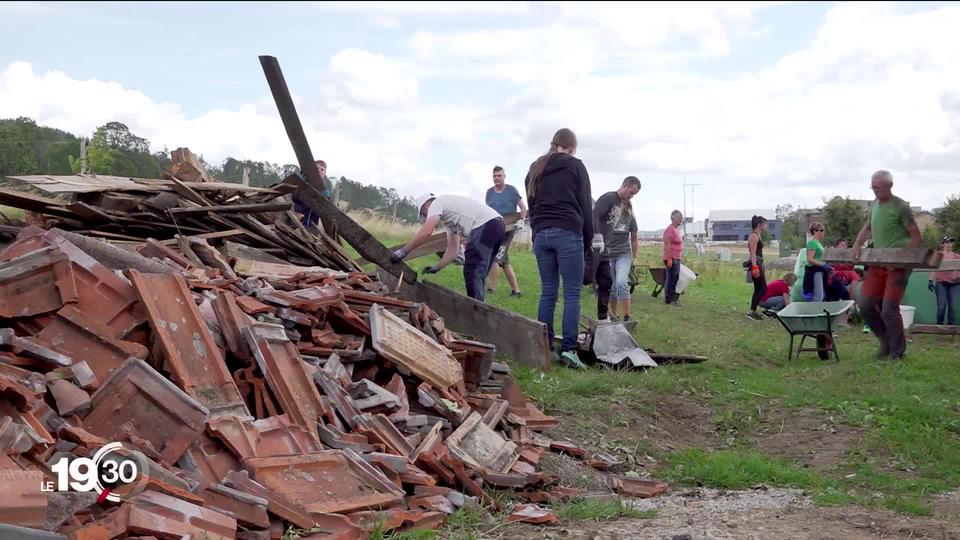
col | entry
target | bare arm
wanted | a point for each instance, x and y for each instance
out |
(425, 231)
(453, 246)
(916, 237)
(754, 238)
(523, 208)
(811, 260)
(862, 237)
(635, 244)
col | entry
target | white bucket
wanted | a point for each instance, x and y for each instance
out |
(724, 255)
(687, 276)
(907, 313)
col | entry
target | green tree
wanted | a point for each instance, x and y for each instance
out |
(931, 236)
(948, 217)
(843, 218)
(115, 150)
(262, 173)
(792, 234)
(26, 148)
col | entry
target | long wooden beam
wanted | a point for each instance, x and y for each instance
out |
(366, 245)
(935, 329)
(234, 208)
(918, 257)
(516, 336)
(291, 122)
(334, 221)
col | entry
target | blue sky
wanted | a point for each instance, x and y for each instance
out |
(761, 103)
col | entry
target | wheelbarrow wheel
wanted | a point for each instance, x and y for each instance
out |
(824, 346)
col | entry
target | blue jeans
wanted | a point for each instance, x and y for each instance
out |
(774, 303)
(620, 265)
(947, 302)
(559, 255)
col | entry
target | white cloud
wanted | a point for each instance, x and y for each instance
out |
(14, 9)
(382, 21)
(873, 89)
(428, 8)
(370, 79)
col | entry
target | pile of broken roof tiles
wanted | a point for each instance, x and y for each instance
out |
(260, 396)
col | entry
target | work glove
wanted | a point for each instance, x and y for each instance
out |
(826, 268)
(931, 286)
(597, 243)
(755, 271)
(432, 269)
(398, 255)
(668, 262)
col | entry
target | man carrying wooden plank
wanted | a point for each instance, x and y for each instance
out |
(891, 225)
(466, 218)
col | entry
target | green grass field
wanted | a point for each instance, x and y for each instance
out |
(907, 414)
(877, 434)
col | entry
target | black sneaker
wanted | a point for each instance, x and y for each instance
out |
(754, 316)
(515, 294)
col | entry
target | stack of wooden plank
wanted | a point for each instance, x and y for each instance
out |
(136, 209)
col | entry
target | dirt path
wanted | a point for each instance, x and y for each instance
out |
(702, 514)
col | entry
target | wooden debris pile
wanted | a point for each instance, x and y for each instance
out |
(132, 210)
(253, 395)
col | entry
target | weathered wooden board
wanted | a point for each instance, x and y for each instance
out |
(918, 257)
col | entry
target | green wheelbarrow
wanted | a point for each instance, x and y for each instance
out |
(816, 320)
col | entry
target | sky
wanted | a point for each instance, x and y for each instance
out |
(758, 104)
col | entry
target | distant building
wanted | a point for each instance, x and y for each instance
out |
(925, 219)
(696, 231)
(734, 225)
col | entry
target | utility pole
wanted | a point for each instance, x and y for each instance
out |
(83, 155)
(692, 187)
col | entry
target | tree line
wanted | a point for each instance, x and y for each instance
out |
(844, 217)
(27, 149)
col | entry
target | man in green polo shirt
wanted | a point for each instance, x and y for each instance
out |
(891, 225)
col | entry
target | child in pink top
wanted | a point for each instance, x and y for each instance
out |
(672, 253)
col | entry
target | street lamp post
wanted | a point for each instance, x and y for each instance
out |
(692, 202)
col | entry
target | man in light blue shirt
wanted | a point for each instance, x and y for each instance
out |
(504, 198)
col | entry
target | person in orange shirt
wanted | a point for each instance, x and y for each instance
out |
(946, 284)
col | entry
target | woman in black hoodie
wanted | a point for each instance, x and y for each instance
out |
(561, 218)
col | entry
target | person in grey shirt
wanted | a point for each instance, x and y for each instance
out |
(613, 218)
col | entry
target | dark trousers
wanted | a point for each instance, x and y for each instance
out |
(482, 246)
(836, 290)
(672, 277)
(759, 287)
(880, 298)
(604, 279)
(947, 302)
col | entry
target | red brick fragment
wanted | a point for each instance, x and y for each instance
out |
(533, 514)
(633, 487)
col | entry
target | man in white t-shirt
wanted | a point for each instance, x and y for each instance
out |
(466, 218)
